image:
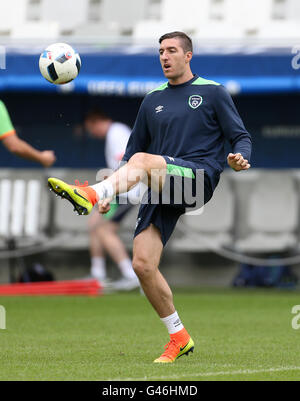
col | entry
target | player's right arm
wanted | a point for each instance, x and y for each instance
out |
(17, 146)
(139, 140)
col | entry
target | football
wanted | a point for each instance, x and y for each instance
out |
(59, 63)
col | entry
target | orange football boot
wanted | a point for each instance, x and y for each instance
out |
(180, 344)
(82, 196)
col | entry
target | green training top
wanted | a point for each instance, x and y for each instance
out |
(6, 127)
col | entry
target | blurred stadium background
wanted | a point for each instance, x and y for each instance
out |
(255, 54)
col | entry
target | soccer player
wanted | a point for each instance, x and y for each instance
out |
(103, 230)
(15, 145)
(181, 128)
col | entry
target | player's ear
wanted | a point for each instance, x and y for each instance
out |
(188, 56)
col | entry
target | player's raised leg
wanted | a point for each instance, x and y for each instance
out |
(140, 167)
(97, 251)
(147, 249)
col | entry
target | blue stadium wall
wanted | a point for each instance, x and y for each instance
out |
(52, 121)
(50, 117)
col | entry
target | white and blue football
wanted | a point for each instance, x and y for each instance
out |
(59, 63)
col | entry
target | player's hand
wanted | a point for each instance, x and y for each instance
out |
(237, 162)
(47, 158)
(104, 206)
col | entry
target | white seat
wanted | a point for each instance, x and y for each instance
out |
(218, 31)
(64, 13)
(147, 32)
(279, 30)
(104, 31)
(211, 229)
(176, 13)
(12, 14)
(109, 19)
(33, 30)
(266, 243)
(123, 13)
(272, 214)
(23, 207)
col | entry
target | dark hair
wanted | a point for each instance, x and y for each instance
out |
(186, 41)
(96, 114)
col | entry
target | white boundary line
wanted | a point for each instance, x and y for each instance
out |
(209, 374)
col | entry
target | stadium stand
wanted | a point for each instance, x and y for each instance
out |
(256, 212)
(104, 21)
(210, 229)
(240, 215)
(253, 212)
(24, 214)
(271, 217)
(24, 207)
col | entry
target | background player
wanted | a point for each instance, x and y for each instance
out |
(184, 123)
(103, 229)
(15, 145)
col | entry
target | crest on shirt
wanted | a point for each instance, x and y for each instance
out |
(195, 101)
(158, 109)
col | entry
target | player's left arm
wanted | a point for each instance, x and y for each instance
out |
(234, 130)
(21, 148)
(16, 145)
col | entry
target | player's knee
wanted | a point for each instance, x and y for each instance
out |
(94, 223)
(142, 267)
(139, 159)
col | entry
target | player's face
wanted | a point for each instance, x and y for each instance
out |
(174, 61)
(97, 128)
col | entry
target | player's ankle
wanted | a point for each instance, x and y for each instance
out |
(92, 195)
(104, 190)
(172, 323)
(181, 336)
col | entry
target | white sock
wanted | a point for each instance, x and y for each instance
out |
(126, 268)
(104, 189)
(98, 269)
(172, 323)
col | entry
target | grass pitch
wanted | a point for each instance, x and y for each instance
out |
(239, 335)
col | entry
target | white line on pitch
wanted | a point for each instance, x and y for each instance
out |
(208, 374)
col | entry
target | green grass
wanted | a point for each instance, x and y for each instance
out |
(236, 334)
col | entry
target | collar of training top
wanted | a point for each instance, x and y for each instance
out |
(185, 83)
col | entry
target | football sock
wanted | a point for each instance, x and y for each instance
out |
(172, 323)
(126, 268)
(181, 337)
(98, 269)
(92, 194)
(104, 189)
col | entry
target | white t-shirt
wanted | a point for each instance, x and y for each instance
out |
(115, 145)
